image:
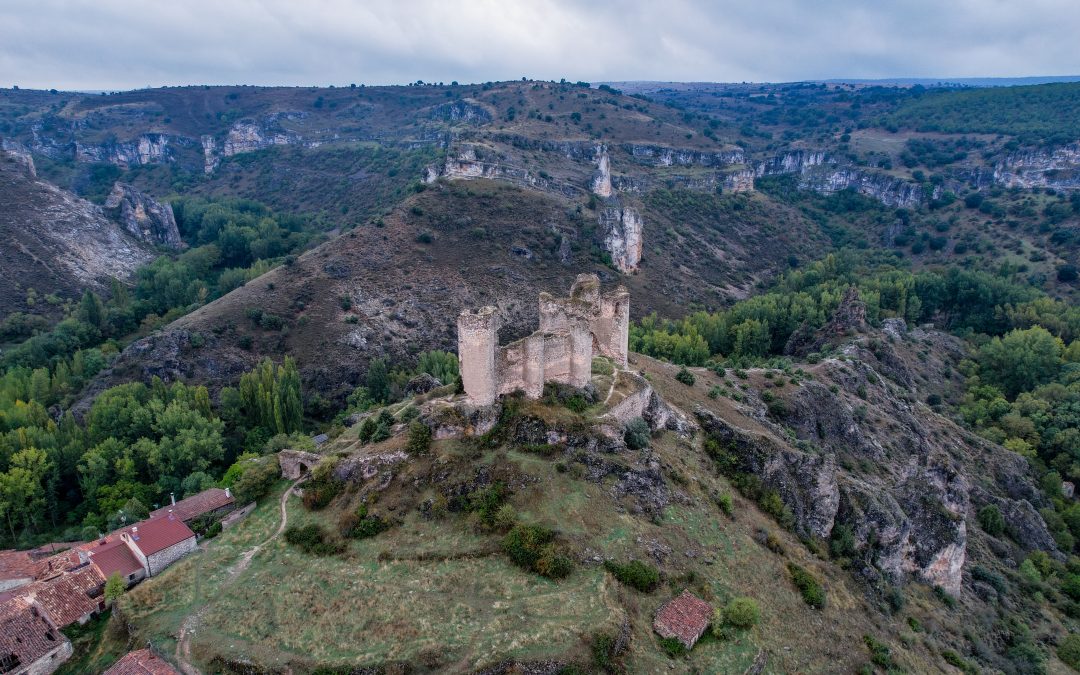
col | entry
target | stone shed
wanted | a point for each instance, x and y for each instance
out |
(684, 618)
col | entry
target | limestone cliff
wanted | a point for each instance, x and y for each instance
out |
(145, 149)
(1054, 168)
(56, 242)
(601, 184)
(143, 217)
(622, 230)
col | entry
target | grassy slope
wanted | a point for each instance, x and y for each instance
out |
(437, 593)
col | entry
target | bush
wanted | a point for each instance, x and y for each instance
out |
(991, 520)
(636, 574)
(842, 543)
(1069, 651)
(880, 653)
(686, 377)
(812, 592)
(256, 479)
(672, 647)
(742, 613)
(636, 434)
(532, 547)
(419, 442)
(726, 503)
(312, 540)
(361, 524)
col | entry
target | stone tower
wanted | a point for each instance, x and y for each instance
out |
(478, 338)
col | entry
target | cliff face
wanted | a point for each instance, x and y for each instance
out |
(145, 149)
(622, 229)
(142, 217)
(822, 173)
(55, 242)
(1054, 168)
(659, 155)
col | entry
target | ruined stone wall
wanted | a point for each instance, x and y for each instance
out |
(572, 330)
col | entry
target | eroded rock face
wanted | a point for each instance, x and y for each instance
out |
(464, 111)
(146, 149)
(622, 229)
(806, 483)
(143, 217)
(1056, 168)
(601, 184)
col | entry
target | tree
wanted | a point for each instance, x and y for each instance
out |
(91, 310)
(114, 588)
(1021, 360)
(636, 434)
(377, 380)
(991, 520)
(419, 441)
(22, 496)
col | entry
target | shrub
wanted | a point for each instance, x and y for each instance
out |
(419, 442)
(361, 524)
(991, 520)
(256, 479)
(742, 613)
(880, 653)
(726, 503)
(532, 547)
(605, 653)
(311, 539)
(636, 434)
(812, 592)
(486, 503)
(1069, 651)
(686, 377)
(271, 322)
(672, 647)
(636, 574)
(842, 543)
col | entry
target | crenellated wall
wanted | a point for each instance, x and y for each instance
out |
(572, 330)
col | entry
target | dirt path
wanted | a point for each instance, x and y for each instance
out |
(191, 622)
(611, 390)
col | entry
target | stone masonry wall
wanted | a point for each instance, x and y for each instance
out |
(572, 330)
(165, 557)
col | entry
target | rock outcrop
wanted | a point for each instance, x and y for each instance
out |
(145, 149)
(143, 217)
(56, 242)
(601, 183)
(622, 230)
(1044, 167)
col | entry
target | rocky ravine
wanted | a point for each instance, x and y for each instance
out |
(56, 242)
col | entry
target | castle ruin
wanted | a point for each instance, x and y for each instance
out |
(572, 330)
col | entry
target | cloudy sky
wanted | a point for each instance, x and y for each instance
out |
(114, 44)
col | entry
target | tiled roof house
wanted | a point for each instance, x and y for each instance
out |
(214, 500)
(141, 662)
(684, 618)
(68, 598)
(29, 641)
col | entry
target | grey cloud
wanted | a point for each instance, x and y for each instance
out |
(98, 44)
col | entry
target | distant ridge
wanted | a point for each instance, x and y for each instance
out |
(631, 86)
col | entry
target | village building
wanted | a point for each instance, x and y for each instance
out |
(30, 642)
(684, 618)
(155, 544)
(141, 662)
(67, 598)
(214, 502)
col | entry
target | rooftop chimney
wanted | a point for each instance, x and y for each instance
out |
(172, 496)
(228, 493)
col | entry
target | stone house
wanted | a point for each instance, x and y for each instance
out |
(144, 549)
(141, 662)
(215, 501)
(68, 598)
(30, 643)
(684, 618)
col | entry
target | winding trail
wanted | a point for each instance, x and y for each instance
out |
(191, 622)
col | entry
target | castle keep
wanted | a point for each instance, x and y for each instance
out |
(572, 330)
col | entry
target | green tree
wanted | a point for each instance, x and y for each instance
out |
(91, 310)
(22, 495)
(1021, 360)
(114, 588)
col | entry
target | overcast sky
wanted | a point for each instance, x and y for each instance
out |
(120, 44)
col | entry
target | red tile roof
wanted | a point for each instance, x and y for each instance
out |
(112, 556)
(26, 633)
(16, 565)
(67, 597)
(685, 618)
(158, 534)
(196, 505)
(141, 662)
